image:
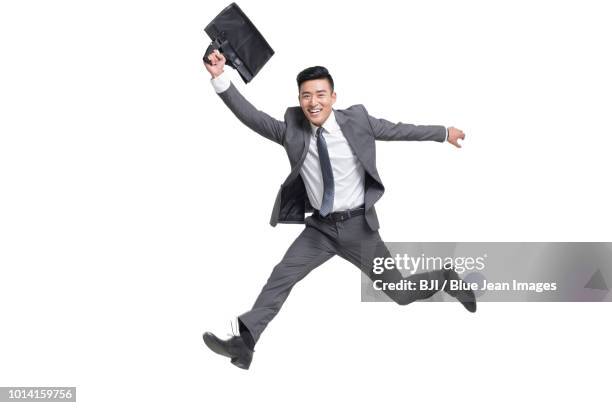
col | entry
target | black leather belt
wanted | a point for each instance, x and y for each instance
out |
(340, 215)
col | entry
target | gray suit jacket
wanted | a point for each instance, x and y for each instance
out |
(360, 130)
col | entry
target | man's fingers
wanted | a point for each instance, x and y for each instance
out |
(455, 140)
(213, 59)
(220, 56)
(216, 57)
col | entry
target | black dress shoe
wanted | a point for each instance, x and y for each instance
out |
(465, 296)
(234, 348)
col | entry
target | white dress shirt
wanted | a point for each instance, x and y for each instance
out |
(349, 175)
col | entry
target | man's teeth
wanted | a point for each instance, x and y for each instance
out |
(315, 110)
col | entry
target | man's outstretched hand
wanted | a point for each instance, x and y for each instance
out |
(217, 62)
(454, 135)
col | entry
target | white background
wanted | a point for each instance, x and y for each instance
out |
(134, 207)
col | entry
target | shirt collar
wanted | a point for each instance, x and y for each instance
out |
(330, 125)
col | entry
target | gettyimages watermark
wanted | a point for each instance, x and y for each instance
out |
(495, 271)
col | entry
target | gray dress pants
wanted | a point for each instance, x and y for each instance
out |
(353, 240)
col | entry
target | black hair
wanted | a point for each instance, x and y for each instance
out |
(315, 73)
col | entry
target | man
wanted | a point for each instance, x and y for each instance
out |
(333, 175)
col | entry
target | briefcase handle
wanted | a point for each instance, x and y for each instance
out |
(231, 58)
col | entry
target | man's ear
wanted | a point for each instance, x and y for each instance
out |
(333, 97)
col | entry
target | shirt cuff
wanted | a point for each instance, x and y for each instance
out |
(221, 83)
(446, 139)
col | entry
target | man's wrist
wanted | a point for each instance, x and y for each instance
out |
(221, 82)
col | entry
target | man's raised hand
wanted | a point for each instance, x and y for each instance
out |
(217, 62)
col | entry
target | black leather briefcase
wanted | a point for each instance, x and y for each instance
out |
(243, 46)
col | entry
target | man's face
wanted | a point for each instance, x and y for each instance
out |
(316, 99)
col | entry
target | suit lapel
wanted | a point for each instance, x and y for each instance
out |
(358, 144)
(304, 131)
